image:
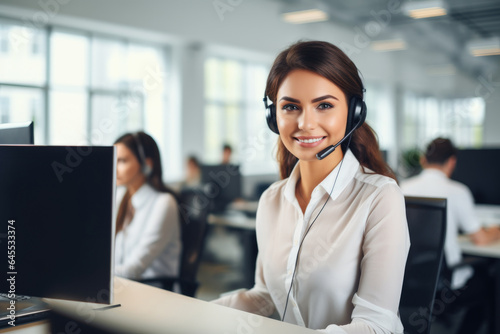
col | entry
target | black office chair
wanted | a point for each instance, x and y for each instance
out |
(193, 207)
(427, 227)
(457, 304)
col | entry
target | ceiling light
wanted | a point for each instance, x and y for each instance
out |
(484, 47)
(305, 12)
(305, 16)
(388, 45)
(424, 9)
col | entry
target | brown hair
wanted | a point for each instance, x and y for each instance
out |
(154, 179)
(331, 63)
(439, 151)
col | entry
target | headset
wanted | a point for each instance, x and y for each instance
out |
(145, 168)
(356, 116)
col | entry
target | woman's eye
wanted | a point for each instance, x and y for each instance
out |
(290, 107)
(324, 106)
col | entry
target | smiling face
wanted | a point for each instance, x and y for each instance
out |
(311, 113)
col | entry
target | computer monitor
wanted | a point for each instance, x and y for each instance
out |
(56, 221)
(478, 170)
(222, 184)
(17, 133)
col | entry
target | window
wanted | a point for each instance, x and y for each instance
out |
(94, 89)
(18, 64)
(4, 40)
(380, 114)
(4, 108)
(19, 104)
(426, 118)
(235, 114)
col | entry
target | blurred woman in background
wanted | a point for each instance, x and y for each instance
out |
(148, 241)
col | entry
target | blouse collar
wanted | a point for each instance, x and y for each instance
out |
(347, 168)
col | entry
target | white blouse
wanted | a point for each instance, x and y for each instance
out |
(150, 245)
(351, 265)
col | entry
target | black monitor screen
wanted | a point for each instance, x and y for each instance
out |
(56, 221)
(17, 133)
(478, 169)
(224, 184)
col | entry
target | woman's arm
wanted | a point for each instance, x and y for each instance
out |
(385, 249)
(256, 300)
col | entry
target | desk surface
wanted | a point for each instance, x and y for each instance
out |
(467, 247)
(147, 309)
(488, 215)
(232, 219)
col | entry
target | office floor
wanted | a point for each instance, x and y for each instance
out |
(221, 268)
(221, 271)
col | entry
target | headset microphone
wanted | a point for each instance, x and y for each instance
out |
(327, 151)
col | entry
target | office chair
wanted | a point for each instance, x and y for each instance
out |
(427, 227)
(260, 188)
(194, 208)
(478, 305)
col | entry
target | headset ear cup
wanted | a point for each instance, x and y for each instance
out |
(271, 118)
(147, 170)
(357, 113)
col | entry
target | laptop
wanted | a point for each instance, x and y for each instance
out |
(21, 309)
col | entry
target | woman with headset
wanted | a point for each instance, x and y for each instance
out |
(332, 234)
(148, 242)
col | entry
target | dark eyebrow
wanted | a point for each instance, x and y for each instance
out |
(291, 99)
(321, 98)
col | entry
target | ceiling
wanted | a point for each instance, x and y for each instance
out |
(440, 40)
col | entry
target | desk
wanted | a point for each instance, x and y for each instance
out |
(245, 226)
(491, 251)
(233, 219)
(147, 309)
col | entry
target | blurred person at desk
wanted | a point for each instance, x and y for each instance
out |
(148, 241)
(227, 152)
(193, 174)
(438, 163)
(332, 234)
